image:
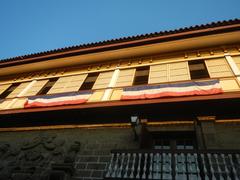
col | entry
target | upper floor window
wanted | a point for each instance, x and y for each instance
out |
(89, 81)
(9, 90)
(47, 86)
(198, 69)
(141, 75)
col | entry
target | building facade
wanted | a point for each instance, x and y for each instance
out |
(156, 106)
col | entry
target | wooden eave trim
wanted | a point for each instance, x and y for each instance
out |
(130, 43)
(92, 126)
(230, 95)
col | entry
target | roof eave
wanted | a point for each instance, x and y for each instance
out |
(120, 45)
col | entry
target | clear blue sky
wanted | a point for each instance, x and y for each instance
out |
(30, 26)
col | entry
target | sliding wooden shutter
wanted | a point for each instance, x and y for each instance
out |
(3, 87)
(218, 68)
(125, 77)
(158, 73)
(169, 72)
(75, 83)
(103, 80)
(179, 71)
(37, 86)
(68, 84)
(18, 90)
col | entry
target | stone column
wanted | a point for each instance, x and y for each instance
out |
(207, 125)
(145, 135)
(199, 135)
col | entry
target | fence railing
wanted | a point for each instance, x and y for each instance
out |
(179, 164)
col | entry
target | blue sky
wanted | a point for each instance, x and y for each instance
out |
(31, 26)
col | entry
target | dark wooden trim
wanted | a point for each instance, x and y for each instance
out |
(70, 126)
(230, 95)
(120, 45)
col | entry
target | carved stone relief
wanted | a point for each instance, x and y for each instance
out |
(42, 157)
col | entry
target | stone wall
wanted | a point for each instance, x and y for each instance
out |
(228, 135)
(60, 154)
(221, 135)
(84, 153)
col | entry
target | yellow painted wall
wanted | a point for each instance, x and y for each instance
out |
(96, 96)
(116, 94)
(4, 104)
(229, 84)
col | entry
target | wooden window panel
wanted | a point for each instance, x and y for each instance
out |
(218, 68)
(4, 87)
(75, 83)
(60, 84)
(179, 71)
(178, 65)
(159, 67)
(159, 80)
(158, 73)
(103, 80)
(18, 90)
(179, 78)
(125, 77)
(169, 72)
(68, 84)
(37, 86)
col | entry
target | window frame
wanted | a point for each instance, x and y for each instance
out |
(45, 89)
(138, 77)
(88, 85)
(9, 90)
(198, 74)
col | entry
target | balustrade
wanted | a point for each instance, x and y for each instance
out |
(178, 165)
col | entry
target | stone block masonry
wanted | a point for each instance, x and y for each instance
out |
(74, 154)
(66, 153)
